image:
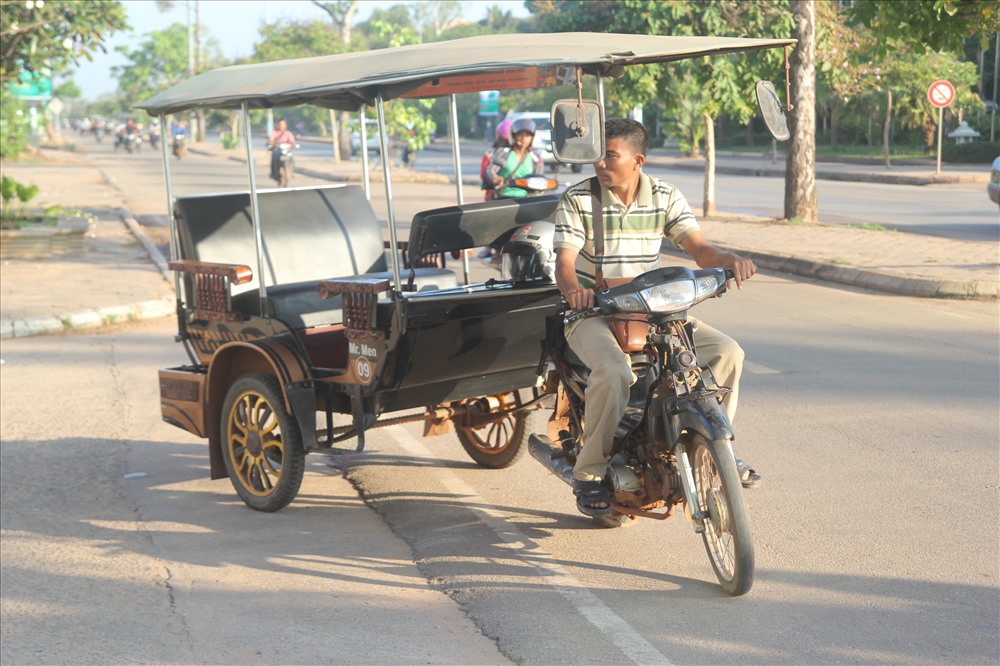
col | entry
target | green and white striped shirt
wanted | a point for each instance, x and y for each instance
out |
(632, 234)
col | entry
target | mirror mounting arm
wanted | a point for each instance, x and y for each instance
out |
(788, 85)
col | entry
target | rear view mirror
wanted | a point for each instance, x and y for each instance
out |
(577, 131)
(770, 109)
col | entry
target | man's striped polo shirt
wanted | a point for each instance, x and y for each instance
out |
(632, 234)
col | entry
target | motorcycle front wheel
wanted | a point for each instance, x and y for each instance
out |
(727, 526)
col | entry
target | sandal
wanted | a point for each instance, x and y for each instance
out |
(589, 496)
(748, 475)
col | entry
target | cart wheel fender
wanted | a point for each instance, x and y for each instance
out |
(275, 357)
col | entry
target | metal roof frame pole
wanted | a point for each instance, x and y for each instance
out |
(255, 209)
(456, 154)
(600, 90)
(171, 220)
(365, 178)
(383, 144)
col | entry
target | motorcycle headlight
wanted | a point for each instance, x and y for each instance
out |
(670, 296)
(667, 297)
(536, 182)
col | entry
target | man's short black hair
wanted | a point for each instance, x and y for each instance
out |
(632, 131)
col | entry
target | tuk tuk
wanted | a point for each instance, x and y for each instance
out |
(293, 308)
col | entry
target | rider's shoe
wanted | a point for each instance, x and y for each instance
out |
(748, 475)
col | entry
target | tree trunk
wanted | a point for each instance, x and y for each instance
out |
(334, 136)
(800, 166)
(345, 133)
(708, 208)
(834, 122)
(930, 134)
(886, 129)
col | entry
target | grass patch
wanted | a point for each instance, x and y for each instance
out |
(797, 221)
(839, 261)
(867, 227)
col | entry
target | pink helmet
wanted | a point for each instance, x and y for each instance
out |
(503, 130)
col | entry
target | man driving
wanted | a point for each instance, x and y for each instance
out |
(637, 211)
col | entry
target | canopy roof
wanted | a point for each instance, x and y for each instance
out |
(346, 81)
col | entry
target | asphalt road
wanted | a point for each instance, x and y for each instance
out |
(960, 211)
(874, 422)
(873, 419)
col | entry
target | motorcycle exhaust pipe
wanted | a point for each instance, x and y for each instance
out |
(551, 456)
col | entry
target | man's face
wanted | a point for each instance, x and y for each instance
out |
(620, 164)
(282, 125)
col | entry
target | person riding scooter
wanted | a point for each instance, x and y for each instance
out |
(280, 135)
(517, 161)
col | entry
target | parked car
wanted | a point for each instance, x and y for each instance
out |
(993, 187)
(543, 139)
(371, 136)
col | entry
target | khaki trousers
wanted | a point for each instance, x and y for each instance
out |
(611, 376)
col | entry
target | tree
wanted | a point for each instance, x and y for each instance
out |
(935, 24)
(800, 165)
(157, 63)
(433, 18)
(341, 13)
(293, 39)
(722, 86)
(53, 34)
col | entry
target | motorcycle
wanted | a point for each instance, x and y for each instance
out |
(673, 446)
(179, 146)
(282, 153)
(154, 138)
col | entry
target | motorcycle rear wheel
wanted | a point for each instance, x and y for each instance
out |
(727, 527)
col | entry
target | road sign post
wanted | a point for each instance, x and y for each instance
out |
(941, 94)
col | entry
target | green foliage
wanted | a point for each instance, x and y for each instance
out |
(230, 140)
(687, 88)
(52, 34)
(9, 188)
(157, 62)
(68, 90)
(290, 39)
(14, 127)
(974, 152)
(935, 24)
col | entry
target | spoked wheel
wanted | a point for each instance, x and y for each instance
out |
(262, 445)
(500, 442)
(727, 528)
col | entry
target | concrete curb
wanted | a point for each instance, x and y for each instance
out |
(893, 284)
(86, 319)
(867, 177)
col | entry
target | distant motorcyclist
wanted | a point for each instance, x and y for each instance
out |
(280, 135)
(517, 161)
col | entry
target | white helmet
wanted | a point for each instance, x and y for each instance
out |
(528, 255)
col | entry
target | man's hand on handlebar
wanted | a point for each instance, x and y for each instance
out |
(739, 270)
(579, 299)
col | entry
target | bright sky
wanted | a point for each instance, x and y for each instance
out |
(234, 24)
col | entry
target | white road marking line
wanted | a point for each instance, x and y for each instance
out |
(627, 639)
(758, 369)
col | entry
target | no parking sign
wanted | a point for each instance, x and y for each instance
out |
(941, 94)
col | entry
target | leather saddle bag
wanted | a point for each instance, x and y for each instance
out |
(631, 331)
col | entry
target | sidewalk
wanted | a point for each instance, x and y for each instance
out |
(117, 276)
